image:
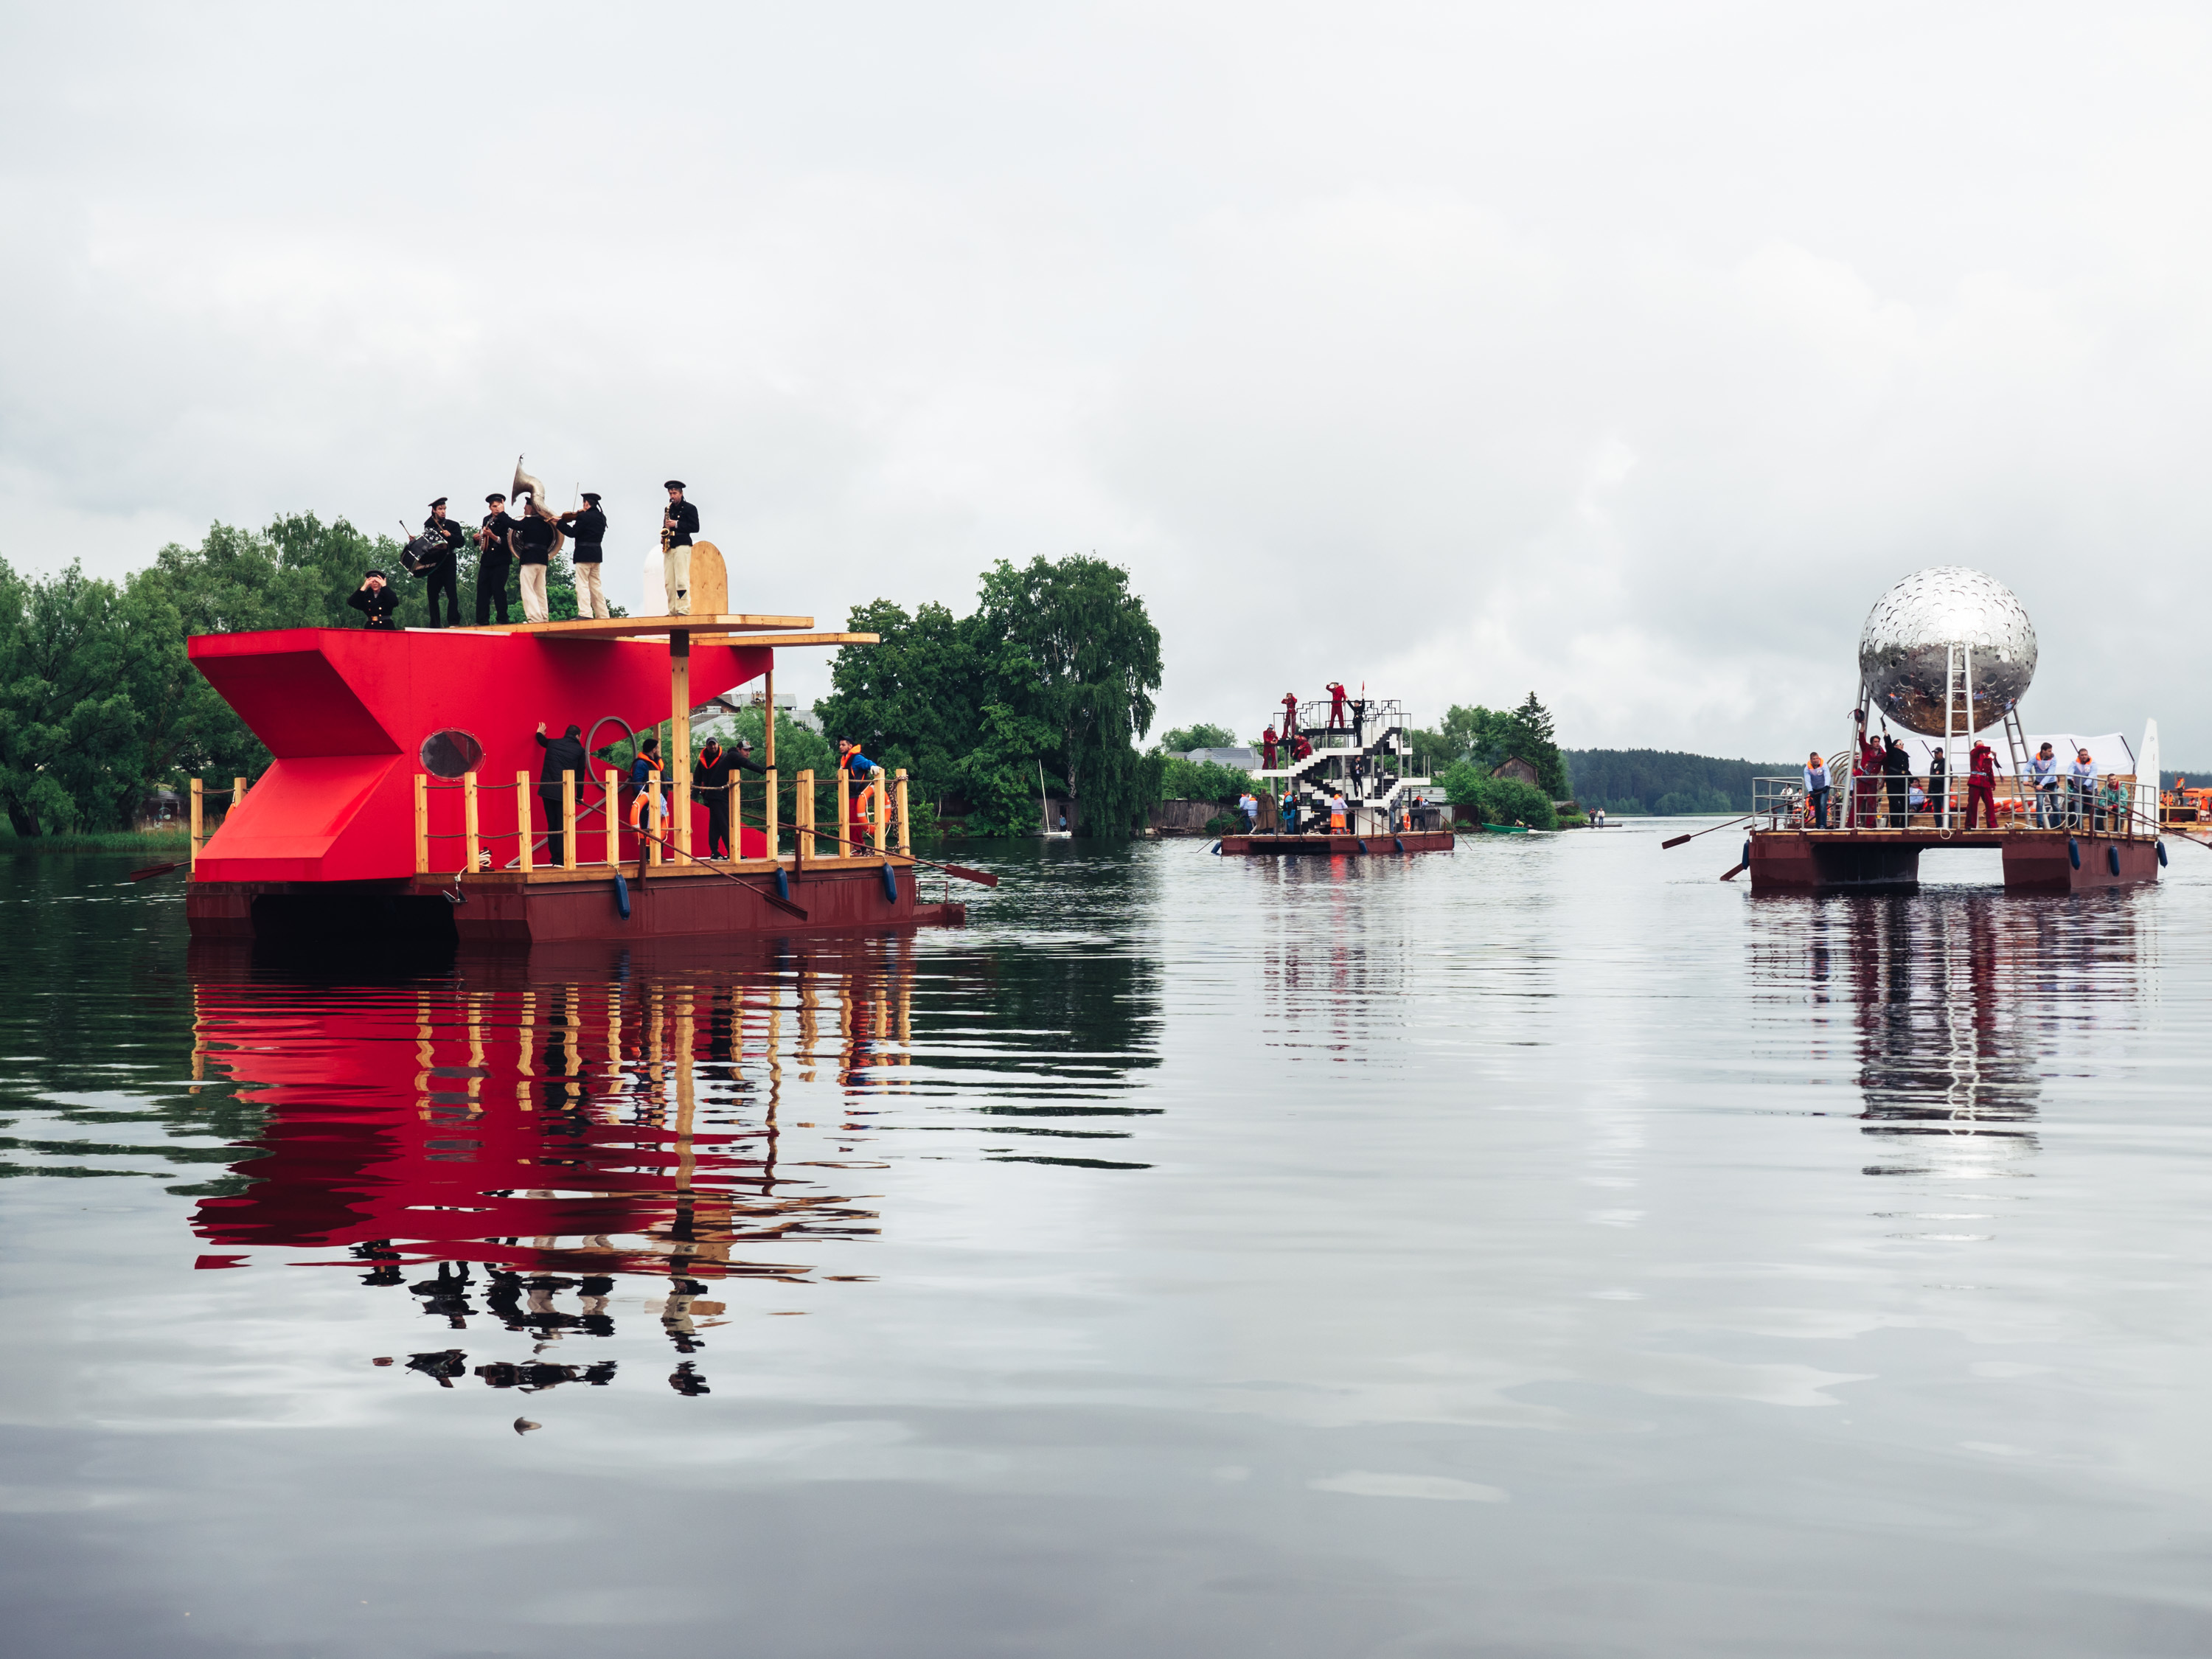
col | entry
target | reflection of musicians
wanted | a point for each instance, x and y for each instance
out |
(533, 551)
(563, 754)
(442, 567)
(495, 550)
(677, 526)
(589, 527)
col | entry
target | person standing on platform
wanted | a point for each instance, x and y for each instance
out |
(1897, 771)
(861, 823)
(1359, 719)
(711, 779)
(1939, 783)
(2043, 774)
(376, 602)
(1286, 812)
(1982, 784)
(495, 553)
(1248, 805)
(588, 526)
(1267, 747)
(564, 756)
(642, 771)
(1290, 715)
(1816, 793)
(1336, 813)
(2082, 775)
(1865, 778)
(1335, 705)
(533, 551)
(443, 567)
(677, 526)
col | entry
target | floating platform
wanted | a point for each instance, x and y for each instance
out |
(1409, 840)
(404, 802)
(1792, 860)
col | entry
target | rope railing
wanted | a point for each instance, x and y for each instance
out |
(880, 815)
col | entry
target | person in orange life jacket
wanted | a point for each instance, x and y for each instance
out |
(712, 778)
(1336, 813)
(641, 784)
(1268, 746)
(376, 601)
(1981, 784)
(856, 766)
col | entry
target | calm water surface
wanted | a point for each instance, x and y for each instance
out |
(1541, 1249)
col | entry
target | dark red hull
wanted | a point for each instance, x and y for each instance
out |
(504, 911)
(2035, 860)
(1412, 841)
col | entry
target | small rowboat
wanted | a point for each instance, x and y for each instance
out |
(1507, 828)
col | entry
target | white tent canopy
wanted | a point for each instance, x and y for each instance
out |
(2112, 752)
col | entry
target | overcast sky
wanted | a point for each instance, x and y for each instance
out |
(1625, 353)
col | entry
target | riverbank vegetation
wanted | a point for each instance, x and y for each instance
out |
(99, 706)
(1666, 783)
(1048, 681)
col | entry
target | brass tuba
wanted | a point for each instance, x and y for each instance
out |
(524, 484)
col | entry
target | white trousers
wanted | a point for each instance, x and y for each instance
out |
(533, 592)
(590, 600)
(678, 577)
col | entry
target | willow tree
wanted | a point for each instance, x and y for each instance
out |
(1074, 650)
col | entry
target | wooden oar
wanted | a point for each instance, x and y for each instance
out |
(982, 877)
(153, 870)
(780, 903)
(1678, 840)
(1730, 875)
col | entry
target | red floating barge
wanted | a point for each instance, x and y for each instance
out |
(403, 803)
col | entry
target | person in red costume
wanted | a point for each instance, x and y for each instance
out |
(1300, 748)
(1336, 695)
(1982, 783)
(1290, 715)
(1267, 747)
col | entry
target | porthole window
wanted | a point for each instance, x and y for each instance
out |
(450, 753)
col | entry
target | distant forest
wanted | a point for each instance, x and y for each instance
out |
(1665, 782)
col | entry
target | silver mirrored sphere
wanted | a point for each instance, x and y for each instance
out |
(1904, 650)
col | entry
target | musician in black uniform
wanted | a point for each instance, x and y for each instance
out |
(533, 551)
(376, 602)
(589, 527)
(438, 553)
(495, 553)
(677, 526)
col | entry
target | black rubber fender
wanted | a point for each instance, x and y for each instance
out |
(891, 883)
(1215, 848)
(1746, 855)
(1398, 842)
(621, 896)
(2074, 852)
(2161, 855)
(2113, 860)
(1359, 842)
(783, 885)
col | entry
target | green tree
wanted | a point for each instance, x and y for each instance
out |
(1076, 650)
(915, 700)
(1498, 800)
(1181, 739)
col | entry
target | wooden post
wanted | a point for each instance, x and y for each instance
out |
(733, 804)
(802, 814)
(422, 825)
(905, 833)
(522, 859)
(653, 823)
(470, 824)
(882, 825)
(844, 811)
(611, 806)
(768, 816)
(679, 723)
(198, 809)
(568, 820)
(767, 732)
(237, 791)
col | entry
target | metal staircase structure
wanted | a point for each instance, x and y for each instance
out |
(1365, 756)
